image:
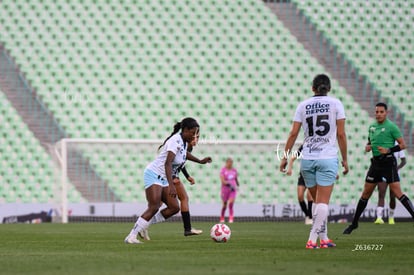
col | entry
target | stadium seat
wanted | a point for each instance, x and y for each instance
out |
(387, 28)
(27, 173)
(133, 69)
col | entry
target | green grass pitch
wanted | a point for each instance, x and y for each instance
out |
(254, 248)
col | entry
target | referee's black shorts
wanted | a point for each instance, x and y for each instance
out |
(383, 167)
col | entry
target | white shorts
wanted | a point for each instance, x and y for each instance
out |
(151, 178)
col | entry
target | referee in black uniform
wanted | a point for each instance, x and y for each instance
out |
(381, 141)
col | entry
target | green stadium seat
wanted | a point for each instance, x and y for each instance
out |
(25, 163)
(233, 75)
(385, 34)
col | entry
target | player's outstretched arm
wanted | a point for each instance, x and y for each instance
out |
(342, 142)
(197, 160)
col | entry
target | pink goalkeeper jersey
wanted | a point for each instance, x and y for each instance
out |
(230, 176)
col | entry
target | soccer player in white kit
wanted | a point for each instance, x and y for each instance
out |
(158, 177)
(323, 120)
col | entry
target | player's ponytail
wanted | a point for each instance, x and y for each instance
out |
(322, 89)
(177, 128)
(321, 84)
(186, 123)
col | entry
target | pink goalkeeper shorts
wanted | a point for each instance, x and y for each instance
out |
(227, 193)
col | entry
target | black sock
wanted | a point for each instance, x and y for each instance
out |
(407, 204)
(362, 204)
(303, 207)
(310, 203)
(186, 220)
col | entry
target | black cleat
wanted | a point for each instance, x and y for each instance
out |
(350, 228)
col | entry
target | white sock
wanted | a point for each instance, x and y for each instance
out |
(380, 209)
(324, 234)
(391, 213)
(157, 218)
(319, 218)
(140, 225)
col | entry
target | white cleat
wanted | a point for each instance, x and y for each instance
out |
(197, 231)
(144, 235)
(308, 221)
(193, 232)
(132, 240)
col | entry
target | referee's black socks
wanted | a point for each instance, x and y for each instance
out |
(407, 204)
(362, 204)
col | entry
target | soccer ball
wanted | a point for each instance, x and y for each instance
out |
(220, 233)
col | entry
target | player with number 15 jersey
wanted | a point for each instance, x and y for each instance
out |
(323, 120)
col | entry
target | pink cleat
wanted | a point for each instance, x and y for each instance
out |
(327, 244)
(311, 245)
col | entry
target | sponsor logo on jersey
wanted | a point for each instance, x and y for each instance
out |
(318, 140)
(314, 148)
(317, 108)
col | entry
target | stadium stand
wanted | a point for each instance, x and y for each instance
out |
(377, 37)
(131, 69)
(27, 172)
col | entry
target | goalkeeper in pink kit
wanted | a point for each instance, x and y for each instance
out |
(229, 184)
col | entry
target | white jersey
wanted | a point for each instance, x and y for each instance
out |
(318, 116)
(176, 145)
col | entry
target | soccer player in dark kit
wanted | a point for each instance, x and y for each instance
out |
(381, 140)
